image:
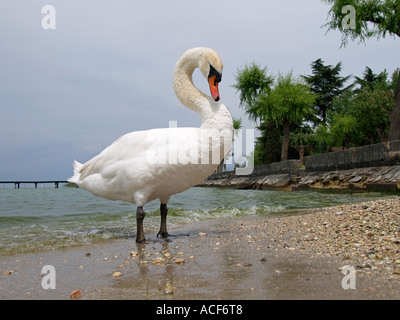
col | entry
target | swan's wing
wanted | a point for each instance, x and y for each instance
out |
(145, 152)
(131, 147)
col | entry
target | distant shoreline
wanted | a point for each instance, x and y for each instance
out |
(17, 183)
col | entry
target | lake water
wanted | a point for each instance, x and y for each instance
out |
(48, 218)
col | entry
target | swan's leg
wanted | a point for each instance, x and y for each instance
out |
(163, 229)
(140, 214)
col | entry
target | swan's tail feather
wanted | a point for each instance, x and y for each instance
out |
(77, 172)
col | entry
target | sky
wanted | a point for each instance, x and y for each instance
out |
(106, 69)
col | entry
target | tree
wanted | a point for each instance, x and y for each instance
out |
(253, 81)
(342, 130)
(289, 102)
(301, 139)
(269, 144)
(372, 110)
(370, 81)
(372, 18)
(373, 104)
(327, 83)
(363, 20)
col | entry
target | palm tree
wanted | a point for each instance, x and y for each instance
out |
(289, 102)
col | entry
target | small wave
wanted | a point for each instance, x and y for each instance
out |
(40, 219)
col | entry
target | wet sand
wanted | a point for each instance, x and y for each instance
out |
(291, 256)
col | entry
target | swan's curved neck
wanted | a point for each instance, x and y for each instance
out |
(213, 114)
(186, 91)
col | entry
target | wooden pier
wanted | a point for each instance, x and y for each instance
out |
(18, 183)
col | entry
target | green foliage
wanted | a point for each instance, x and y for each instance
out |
(285, 107)
(268, 145)
(303, 136)
(289, 101)
(327, 84)
(361, 116)
(395, 80)
(373, 18)
(372, 109)
(252, 81)
(237, 124)
(342, 129)
(372, 81)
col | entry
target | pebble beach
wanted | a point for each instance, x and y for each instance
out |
(296, 255)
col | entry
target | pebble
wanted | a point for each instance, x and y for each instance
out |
(361, 234)
(76, 294)
(169, 289)
(117, 274)
(179, 260)
(158, 260)
(202, 234)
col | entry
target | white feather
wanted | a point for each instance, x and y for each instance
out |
(145, 165)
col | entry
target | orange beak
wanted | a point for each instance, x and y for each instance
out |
(212, 81)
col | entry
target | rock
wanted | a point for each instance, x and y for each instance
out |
(179, 260)
(158, 260)
(169, 289)
(117, 274)
(76, 294)
(202, 234)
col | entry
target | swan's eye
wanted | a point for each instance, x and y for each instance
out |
(213, 72)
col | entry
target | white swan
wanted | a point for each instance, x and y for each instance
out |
(145, 165)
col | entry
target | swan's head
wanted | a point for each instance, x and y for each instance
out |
(211, 66)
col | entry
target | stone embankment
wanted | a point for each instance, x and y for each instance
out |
(373, 167)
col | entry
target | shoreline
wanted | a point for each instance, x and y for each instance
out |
(286, 257)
